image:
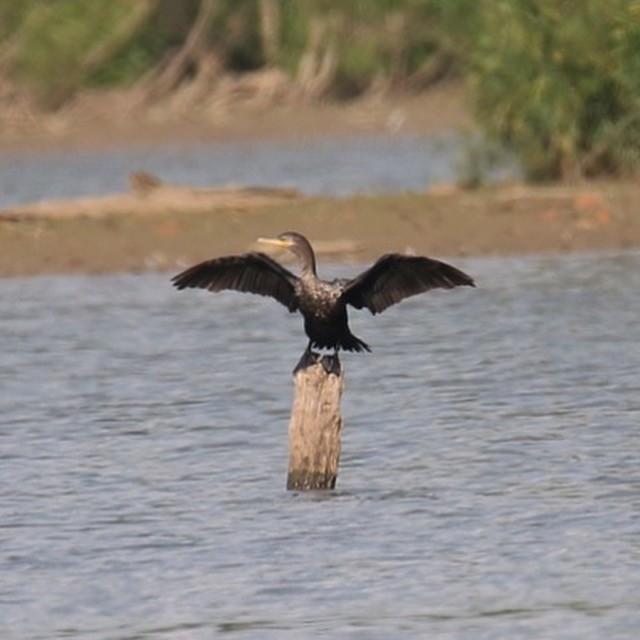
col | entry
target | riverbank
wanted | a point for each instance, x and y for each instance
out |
(107, 120)
(444, 222)
(156, 226)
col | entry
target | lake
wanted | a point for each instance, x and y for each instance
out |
(489, 485)
(373, 164)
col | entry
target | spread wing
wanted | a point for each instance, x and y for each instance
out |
(395, 277)
(250, 273)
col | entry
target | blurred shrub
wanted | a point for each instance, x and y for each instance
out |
(558, 81)
(60, 43)
(386, 39)
(392, 39)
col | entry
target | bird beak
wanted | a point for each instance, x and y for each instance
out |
(275, 241)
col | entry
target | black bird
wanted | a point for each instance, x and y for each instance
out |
(323, 304)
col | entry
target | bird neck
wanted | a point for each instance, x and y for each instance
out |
(306, 257)
(309, 269)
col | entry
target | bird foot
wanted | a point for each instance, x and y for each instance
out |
(330, 363)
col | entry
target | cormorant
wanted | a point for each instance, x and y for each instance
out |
(323, 304)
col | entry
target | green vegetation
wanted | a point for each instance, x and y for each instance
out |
(59, 46)
(557, 82)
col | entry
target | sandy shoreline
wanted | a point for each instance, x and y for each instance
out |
(498, 221)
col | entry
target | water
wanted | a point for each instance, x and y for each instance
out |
(489, 485)
(371, 164)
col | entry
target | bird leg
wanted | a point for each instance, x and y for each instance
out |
(330, 363)
(307, 359)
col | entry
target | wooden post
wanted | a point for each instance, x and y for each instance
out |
(316, 424)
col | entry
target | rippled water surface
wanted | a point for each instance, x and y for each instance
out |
(489, 485)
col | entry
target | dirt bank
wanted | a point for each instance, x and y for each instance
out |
(105, 120)
(450, 222)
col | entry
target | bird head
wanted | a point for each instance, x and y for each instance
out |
(284, 240)
(298, 245)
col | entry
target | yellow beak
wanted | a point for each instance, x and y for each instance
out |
(276, 242)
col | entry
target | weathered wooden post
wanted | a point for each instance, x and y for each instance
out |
(316, 424)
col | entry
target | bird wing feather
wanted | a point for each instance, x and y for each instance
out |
(395, 277)
(250, 273)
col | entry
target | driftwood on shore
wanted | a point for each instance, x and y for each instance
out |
(149, 194)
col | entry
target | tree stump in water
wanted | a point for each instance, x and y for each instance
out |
(316, 424)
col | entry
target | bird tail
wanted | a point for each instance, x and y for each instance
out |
(351, 343)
